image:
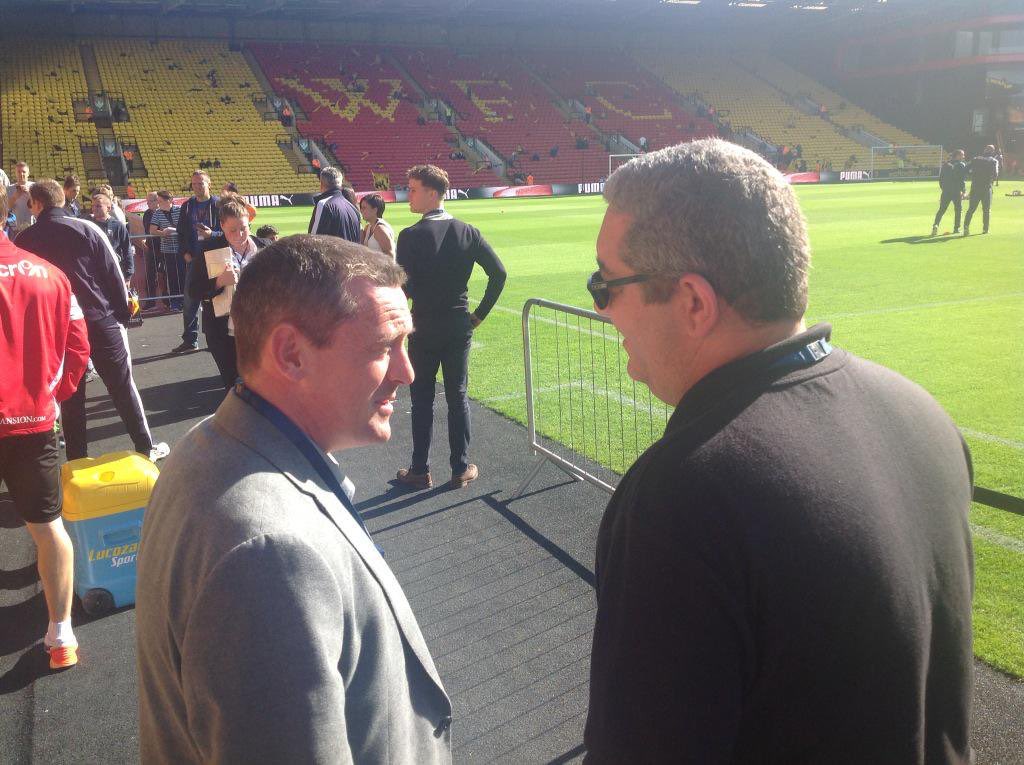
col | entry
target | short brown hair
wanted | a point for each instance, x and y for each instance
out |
(48, 193)
(202, 173)
(431, 176)
(303, 280)
(376, 201)
(233, 207)
(165, 195)
(70, 181)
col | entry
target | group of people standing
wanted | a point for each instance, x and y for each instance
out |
(785, 576)
(765, 573)
(63, 302)
(438, 254)
(983, 172)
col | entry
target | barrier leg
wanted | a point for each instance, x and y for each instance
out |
(534, 471)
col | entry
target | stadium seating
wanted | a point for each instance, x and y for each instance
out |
(623, 97)
(36, 93)
(360, 101)
(747, 101)
(180, 119)
(356, 99)
(793, 82)
(497, 100)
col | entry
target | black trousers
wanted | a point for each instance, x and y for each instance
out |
(984, 198)
(947, 197)
(443, 344)
(222, 347)
(112, 358)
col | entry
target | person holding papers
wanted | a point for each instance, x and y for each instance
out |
(213, 278)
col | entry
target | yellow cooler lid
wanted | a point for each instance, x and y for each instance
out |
(98, 486)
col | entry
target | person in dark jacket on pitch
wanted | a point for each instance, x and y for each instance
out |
(220, 336)
(952, 183)
(786, 575)
(984, 172)
(333, 214)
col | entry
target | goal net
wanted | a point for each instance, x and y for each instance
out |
(615, 160)
(919, 161)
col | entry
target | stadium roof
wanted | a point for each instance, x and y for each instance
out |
(489, 10)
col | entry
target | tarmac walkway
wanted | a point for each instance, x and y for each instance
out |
(501, 587)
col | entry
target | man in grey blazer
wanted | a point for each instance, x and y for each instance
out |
(269, 628)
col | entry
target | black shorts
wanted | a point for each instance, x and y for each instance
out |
(30, 467)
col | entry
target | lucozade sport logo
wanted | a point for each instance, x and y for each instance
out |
(119, 555)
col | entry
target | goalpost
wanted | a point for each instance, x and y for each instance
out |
(917, 161)
(614, 160)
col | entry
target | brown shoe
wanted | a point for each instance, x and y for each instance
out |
(414, 480)
(463, 478)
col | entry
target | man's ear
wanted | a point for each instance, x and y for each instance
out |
(288, 352)
(696, 305)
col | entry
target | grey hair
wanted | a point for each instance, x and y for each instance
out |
(332, 177)
(719, 210)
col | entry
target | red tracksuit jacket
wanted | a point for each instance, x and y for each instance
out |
(44, 343)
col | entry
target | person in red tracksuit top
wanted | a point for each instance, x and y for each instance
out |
(43, 354)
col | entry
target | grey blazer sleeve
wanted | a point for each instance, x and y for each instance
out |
(276, 696)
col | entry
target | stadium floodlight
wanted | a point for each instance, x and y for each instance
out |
(916, 161)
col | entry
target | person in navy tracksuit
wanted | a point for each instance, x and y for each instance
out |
(80, 249)
(334, 215)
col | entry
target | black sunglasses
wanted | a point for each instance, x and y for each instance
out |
(598, 287)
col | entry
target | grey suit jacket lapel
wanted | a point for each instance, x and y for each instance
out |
(245, 424)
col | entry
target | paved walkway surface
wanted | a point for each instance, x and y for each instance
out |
(502, 588)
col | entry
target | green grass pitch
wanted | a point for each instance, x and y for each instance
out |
(947, 312)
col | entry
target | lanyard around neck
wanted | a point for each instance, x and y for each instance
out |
(806, 356)
(316, 458)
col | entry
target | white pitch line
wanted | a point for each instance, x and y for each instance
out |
(921, 306)
(1019, 445)
(611, 334)
(1008, 543)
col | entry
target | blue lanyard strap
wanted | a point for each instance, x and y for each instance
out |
(807, 356)
(302, 442)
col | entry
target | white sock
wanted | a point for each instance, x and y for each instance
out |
(59, 634)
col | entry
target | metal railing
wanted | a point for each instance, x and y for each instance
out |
(588, 418)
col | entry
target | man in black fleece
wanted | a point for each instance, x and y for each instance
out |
(438, 254)
(786, 576)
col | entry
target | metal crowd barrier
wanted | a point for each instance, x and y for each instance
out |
(586, 416)
(587, 413)
(153, 299)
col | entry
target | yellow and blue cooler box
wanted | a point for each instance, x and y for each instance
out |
(104, 501)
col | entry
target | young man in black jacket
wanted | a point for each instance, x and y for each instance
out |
(439, 253)
(786, 575)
